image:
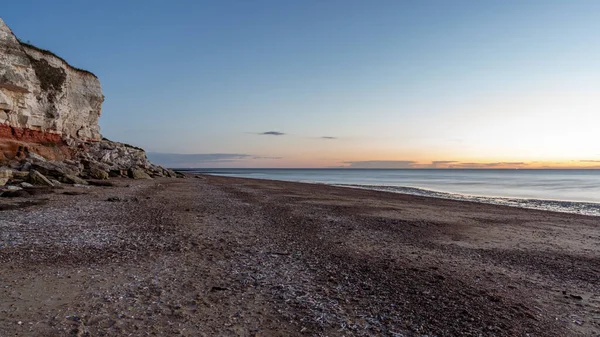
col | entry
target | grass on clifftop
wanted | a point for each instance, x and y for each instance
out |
(47, 52)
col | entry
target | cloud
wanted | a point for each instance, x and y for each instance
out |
(438, 163)
(328, 137)
(272, 133)
(590, 161)
(179, 160)
(441, 164)
(489, 165)
(383, 164)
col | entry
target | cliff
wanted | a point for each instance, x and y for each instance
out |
(41, 92)
(49, 113)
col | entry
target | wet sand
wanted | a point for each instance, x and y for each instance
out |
(217, 256)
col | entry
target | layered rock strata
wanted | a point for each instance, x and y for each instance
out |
(49, 113)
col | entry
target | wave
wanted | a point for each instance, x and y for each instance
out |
(575, 207)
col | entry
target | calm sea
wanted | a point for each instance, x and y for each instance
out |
(572, 191)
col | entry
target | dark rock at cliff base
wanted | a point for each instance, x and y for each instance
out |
(15, 194)
(98, 174)
(137, 173)
(55, 169)
(71, 179)
(36, 178)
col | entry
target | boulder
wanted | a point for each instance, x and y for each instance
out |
(36, 178)
(26, 185)
(71, 179)
(98, 174)
(35, 157)
(137, 173)
(54, 169)
(20, 174)
(5, 175)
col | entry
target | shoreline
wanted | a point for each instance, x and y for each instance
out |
(587, 208)
(213, 255)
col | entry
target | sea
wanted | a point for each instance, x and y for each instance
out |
(570, 191)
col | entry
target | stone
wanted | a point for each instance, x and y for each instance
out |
(16, 194)
(54, 169)
(26, 166)
(81, 185)
(55, 182)
(5, 175)
(6, 172)
(26, 185)
(35, 157)
(36, 178)
(20, 174)
(98, 174)
(13, 188)
(138, 173)
(71, 179)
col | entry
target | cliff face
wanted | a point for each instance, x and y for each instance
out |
(49, 114)
(42, 98)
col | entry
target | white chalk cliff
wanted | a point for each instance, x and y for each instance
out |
(39, 91)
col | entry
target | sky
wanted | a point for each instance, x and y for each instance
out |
(328, 83)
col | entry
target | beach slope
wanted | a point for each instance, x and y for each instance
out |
(211, 256)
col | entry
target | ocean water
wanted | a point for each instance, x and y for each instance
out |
(571, 191)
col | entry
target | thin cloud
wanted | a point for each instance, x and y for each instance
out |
(195, 159)
(590, 161)
(490, 165)
(328, 137)
(272, 133)
(384, 164)
(438, 163)
(270, 158)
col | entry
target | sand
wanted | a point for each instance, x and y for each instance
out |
(216, 256)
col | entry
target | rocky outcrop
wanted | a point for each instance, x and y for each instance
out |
(49, 131)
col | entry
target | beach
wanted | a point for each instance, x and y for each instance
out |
(222, 256)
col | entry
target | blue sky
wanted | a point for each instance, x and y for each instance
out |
(385, 81)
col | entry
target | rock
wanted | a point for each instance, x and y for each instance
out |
(35, 157)
(98, 174)
(71, 179)
(100, 183)
(20, 174)
(16, 194)
(13, 188)
(54, 169)
(37, 178)
(81, 186)
(5, 175)
(26, 185)
(55, 182)
(26, 166)
(137, 173)
(116, 173)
